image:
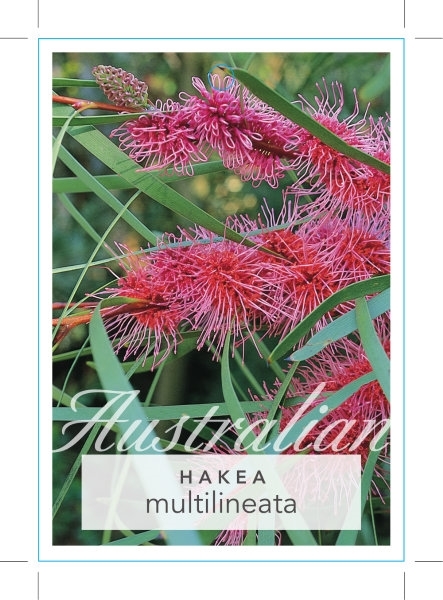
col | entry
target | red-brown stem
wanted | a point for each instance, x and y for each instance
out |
(61, 305)
(66, 324)
(269, 148)
(85, 104)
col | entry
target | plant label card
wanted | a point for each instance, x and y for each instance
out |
(221, 243)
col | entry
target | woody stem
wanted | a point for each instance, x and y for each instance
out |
(85, 104)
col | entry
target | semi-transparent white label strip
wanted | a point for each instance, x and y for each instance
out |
(221, 491)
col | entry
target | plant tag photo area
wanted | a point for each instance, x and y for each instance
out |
(221, 299)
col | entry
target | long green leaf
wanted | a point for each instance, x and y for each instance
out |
(106, 151)
(235, 407)
(57, 143)
(113, 379)
(94, 119)
(105, 195)
(348, 537)
(295, 114)
(167, 413)
(291, 435)
(114, 182)
(341, 327)
(351, 292)
(372, 345)
(74, 469)
(68, 82)
(138, 539)
(280, 395)
(77, 216)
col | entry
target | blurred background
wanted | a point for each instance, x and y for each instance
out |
(220, 194)
(194, 378)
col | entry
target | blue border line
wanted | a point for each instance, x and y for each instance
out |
(404, 300)
(221, 560)
(38, 301)
(283, 39)
(228, 39)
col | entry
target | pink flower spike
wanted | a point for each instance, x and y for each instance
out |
(358, 246)
(223, 286)
(163, 137)
(338, 182)
(249, 135)
(156, 324)
(301, 282)
(121, 88)
(349, 428)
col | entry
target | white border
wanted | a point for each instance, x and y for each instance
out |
(47, 552)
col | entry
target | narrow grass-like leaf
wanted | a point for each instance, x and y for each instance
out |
(71, 354)
(115, 182)
(163, 413)
(373, 347)
(109, 368)
(280, 395)
(60, 396)
(246, 371)
(266, 538)
(77, 216)
(113, 380)
(351, 292)
(68, 82)
(153, 387)
(94, 186)
(94, 263)
(315, 415)
(73, 185)
(76, 358)
(374, 529)
(60, 121)
(57, 143)
(241, 394)
(295, 114)
(106, 151)
(301, 538)
(250, 538)
(168, 413)
(138, 539)
(265, 352)
(341, 327)
(235, 408)
(75, 469)
(348, 537)
(208, 536)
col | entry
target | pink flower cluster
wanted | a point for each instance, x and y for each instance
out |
(349, 428)
(259, 144)
(249, 136)
(197, 282)
(336, 182)
(338, 235)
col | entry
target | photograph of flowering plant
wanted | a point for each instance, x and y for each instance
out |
(221, 245)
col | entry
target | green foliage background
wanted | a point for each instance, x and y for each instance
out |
(194, 378)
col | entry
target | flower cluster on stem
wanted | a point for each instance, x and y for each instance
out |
(198, 282)
(333, 230)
